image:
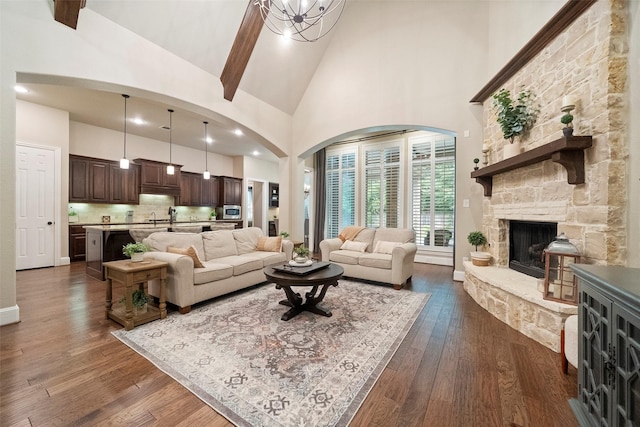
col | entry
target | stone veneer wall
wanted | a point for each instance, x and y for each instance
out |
(589, 62)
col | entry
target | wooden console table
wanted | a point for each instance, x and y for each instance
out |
(135, 273)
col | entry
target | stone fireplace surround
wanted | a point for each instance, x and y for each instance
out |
(588, 60)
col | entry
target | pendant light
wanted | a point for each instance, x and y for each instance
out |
(206, 174)
(124, 162)
(170, 169)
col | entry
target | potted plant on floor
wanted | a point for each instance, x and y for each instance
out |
(135, 251)
(301, 254)
(476, 238)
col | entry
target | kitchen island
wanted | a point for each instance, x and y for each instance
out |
(104, 242)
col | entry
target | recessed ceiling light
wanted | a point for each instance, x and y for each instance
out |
(138, 121)
(20, 89)
(238, 132)
(209, 140)
(256, 153)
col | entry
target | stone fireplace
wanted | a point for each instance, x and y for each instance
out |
(591, 210)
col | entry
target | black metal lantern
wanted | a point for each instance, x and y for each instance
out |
(560, 284)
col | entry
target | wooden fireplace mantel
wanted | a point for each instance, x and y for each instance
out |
(567, 151)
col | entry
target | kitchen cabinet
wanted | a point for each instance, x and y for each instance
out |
(155, 180)
(124, 184)
(77, 243)
(210, 191)
(608, 346)
(230, 191)
(274, 194)
(88, 180)
(101, 181)
(191, 189)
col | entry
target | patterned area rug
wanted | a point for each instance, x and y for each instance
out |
(257, 370)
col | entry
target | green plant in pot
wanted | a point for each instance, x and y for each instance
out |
(567, 121)
(284, 234)
(139, 299)
(515, 117)
(301, 254)
(476, 238)
(135, 251)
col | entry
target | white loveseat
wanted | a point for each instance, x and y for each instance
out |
(231, 260)
(381, 254)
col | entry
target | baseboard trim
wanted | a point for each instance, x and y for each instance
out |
(458, 276)
(9, 315)
(65, 260)
(426, 259)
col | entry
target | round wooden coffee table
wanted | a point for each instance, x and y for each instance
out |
(324, 278)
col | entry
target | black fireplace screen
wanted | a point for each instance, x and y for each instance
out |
(527, 241)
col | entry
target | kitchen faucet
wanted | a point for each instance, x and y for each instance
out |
(154, 218)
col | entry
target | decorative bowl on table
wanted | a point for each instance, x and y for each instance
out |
(299, 262)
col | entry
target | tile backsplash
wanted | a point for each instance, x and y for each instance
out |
(92, 213)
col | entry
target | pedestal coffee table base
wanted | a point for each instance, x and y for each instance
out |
(312, 303)
(319, 280)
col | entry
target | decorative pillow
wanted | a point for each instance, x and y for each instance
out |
(383, 247)
(350, 245)
(269, 244)
(190, 251)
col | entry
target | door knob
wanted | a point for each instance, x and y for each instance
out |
(49, 223)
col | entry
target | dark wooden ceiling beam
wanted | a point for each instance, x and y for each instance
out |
(66, 11)
(241, 50)
(556, 25)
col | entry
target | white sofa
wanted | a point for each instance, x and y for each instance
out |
(387, 257)
(231, 261)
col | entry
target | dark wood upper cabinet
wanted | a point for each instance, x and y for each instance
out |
(124, 184)
(231, 191)
(78, 179)
(102, 181)
(155, 180)
(210, 190)
(191, 189)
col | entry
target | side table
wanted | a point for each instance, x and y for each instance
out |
(129, 274)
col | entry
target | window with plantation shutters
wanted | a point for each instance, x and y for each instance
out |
(433, 189)
(340, 191)
(382, 192)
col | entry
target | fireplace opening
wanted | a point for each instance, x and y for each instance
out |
(527, 241)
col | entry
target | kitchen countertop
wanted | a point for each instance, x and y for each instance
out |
(159, 224)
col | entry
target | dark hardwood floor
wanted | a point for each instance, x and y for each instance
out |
(458, 366)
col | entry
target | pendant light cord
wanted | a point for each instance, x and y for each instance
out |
(206, 153)
(124, 154)
(170, 134)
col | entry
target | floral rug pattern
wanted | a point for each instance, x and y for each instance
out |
(257, 370)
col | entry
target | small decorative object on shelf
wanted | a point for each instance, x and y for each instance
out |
(73, 214)
(475, 163)
(485, 154)
(135, 251)
(560, 284)
(568, 104)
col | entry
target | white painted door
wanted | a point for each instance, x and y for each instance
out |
(35, 178)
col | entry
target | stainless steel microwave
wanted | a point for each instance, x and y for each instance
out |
(230, 212)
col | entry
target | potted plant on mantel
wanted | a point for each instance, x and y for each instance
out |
(567, 120)
(135, 251)
(476, 238)
(515, 117)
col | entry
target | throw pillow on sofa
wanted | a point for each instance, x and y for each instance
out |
(383, 247)
(190, 251)
(350, 245)
(269, 244)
